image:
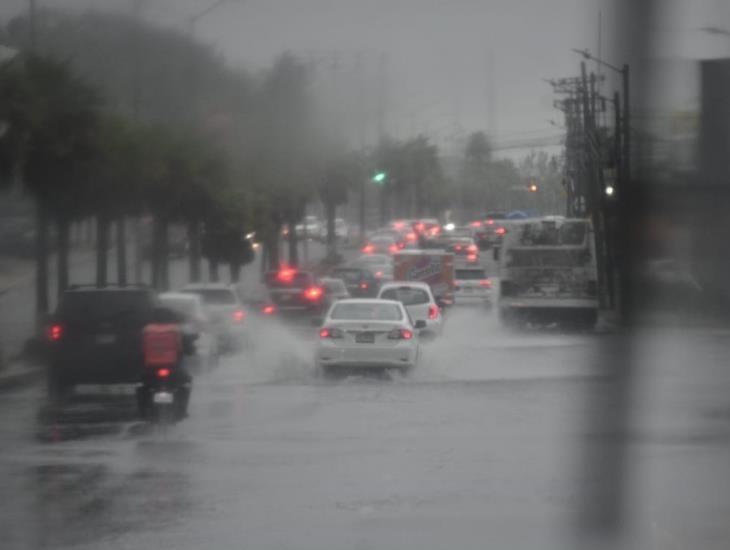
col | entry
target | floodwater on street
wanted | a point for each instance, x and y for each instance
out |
(478, 447)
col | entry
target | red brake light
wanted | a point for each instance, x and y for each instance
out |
(476, 224)
(398, 225)
(54, 332)
(268, 310)
(379, 274)
(368, 249)
(433, 312)
(286, 274)
(490, 222)
(400, 334)
(472, 249)
(239, 315)
(363, 285)
(420, 227)
(486, 283)
(163, 373)
(471, 258)
(411, 236)
(313, 293)
(327, 332)
(393, 248)
(457, 247)
(500, 231)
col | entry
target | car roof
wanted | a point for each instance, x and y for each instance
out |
(367, 301)
(399, 284)
(180, 296)
(207, 286)
(108, 288)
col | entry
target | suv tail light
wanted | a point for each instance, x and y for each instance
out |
(433, 312)
(485, 283)
(238, 316)
(331, 332)
(268, 309)
(368, 249)
(286, 274)
(313, 293)
(500, 231)
(364, 286)
(472, 249)
(400, 334)
(163, 373)
(393, 248)
(54, 333)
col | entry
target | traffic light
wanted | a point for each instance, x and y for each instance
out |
(532, 188)
(379, 178)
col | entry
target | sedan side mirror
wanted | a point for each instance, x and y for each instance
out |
(420, 324)
(316, 321)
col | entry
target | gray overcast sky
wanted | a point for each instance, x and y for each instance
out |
(437, 50)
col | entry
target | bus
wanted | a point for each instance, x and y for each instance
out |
(548, 273)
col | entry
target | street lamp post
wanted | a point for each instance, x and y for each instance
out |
(624, 72)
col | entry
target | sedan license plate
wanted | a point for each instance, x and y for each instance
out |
(163, 398)
(365, 338)
(106, 338)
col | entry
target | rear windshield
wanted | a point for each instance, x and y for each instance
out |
(184, 307)
(470, 274)
(296, 280)
(377, 259)
(551, 234)
(348, 275)
(367, 312)
(536, 257)
(106, 305)
(407, 296)
(215, 296)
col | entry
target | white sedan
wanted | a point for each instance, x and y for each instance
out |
(418, 300)
(368, 333)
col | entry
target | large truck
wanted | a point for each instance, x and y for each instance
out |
(548, 274)
(434, 267)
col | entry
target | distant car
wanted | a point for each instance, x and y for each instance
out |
(465, 251)
(295, 292)
(380, 265)
(367, 334)
(259, 303)
(427, 229)
(489, 231)
(196, 323)
(360, 281)
(95, 336)
(460, 231)
(381, 244)
(418, 300)
(227, 314)
(472, 287)
(334, 290)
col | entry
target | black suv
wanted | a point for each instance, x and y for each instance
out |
(95, 336)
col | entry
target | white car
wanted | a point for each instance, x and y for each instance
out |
(227, 315)
(418, 300)
(197, 323)
(368, 333)
(472, 287)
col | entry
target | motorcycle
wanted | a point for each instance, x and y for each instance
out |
(164, 389)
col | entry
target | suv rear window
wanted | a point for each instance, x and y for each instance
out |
(408, 296)
(106, 305)
(470, 274)
(348, 275)
(367, 312)
(297, 280)
(215, 296)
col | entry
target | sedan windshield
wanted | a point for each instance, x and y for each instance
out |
(367, 312)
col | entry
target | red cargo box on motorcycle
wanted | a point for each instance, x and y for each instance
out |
(161, 344)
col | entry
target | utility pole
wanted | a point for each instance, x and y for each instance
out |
(626, 126)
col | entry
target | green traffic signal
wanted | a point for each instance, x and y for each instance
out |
(379, 177)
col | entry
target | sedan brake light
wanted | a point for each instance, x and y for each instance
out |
(433, 312)
(163, 373)
(239, 315)
(368, 249)
(393, 248)
(364, 286)
(486, 283)
(268, 310)
(400, 334)
(331, 332)
(500, 231)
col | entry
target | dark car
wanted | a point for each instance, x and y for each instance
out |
(95, 336)
(360, 281)
(334, 289)
(294, 292)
